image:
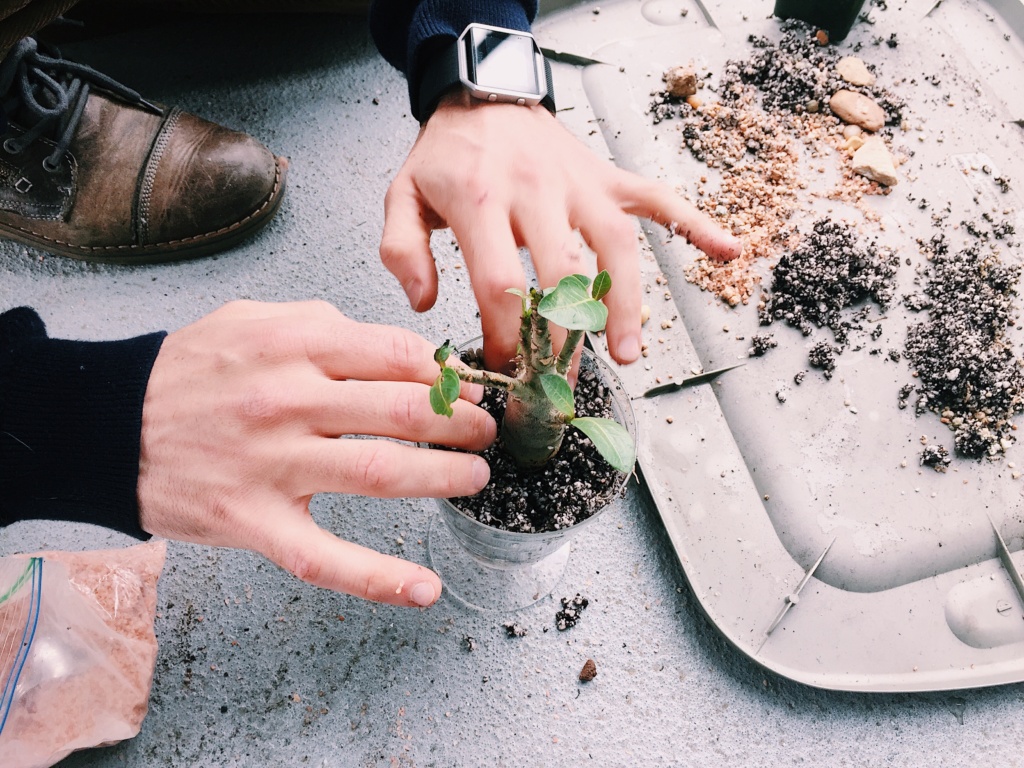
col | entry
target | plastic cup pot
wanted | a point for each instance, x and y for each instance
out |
(490, 569)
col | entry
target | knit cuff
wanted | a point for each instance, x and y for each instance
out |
(70, 424)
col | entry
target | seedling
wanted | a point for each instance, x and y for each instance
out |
(541, 404)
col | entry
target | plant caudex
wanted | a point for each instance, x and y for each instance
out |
(540, 401)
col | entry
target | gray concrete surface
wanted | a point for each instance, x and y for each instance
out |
(257, 669)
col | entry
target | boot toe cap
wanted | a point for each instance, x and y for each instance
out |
(204, 180)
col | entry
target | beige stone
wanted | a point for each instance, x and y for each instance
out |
(857, 109)
(854, 71)
(873, 161)
(849, 131)
(854, 143)
(680, 82)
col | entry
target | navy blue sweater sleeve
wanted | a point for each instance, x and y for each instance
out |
(408, 31)
(70, 424)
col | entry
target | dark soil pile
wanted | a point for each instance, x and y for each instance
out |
(830, 271)
(574, 485)
(798, 74)
(967, 370)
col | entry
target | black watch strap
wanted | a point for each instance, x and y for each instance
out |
(441, 74)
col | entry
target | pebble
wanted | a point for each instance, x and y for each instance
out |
(857, 109)
(854, 71)
(645, 314)
(874, 162)
(680, 82)
(589, 671)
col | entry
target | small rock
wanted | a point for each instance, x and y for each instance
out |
(589, 671)
(857, 109)
(680, 82)
(694, 102)
(849, 131)
(821, 36)
(853, 143)
(854, 71)
(874, 162)
(645, 314)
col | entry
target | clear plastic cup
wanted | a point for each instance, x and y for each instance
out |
(490, 569)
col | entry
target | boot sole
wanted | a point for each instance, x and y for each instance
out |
(174, 250)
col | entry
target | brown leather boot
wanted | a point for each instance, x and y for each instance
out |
(103, 175)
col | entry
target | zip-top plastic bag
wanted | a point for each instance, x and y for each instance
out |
(77, 650)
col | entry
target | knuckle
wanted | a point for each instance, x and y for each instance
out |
(492, 283)
(401, 355)
(408, 413)
(373, 469)
(392, 252)
(262, 404)
(319, 309)
(298, 563)
(621, 230)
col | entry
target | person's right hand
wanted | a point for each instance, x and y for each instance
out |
(240, 428)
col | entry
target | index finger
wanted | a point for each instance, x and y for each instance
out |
(658, 202)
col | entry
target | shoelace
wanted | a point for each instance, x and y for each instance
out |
(53, 91)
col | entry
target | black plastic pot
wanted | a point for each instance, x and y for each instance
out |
(834, 16)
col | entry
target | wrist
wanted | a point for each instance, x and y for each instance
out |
(489, 64)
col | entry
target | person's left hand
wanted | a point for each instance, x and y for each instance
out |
(503, 176)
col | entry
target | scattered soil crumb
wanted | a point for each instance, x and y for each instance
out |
(572, 608)
(936, 457)
(760, 343)
(589, 671)
(513, 629)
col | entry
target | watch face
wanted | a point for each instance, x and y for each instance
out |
(503, 61)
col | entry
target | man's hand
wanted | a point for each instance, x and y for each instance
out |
(503, 176)
(240, 428)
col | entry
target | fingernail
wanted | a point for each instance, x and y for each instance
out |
(481, 473)
(423, 594)
(629, 349)
(414, 290)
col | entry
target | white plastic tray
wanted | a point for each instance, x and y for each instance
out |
(911, 595)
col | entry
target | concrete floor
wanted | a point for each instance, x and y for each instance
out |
(386, 686)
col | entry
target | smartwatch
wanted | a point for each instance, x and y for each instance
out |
(493, 64)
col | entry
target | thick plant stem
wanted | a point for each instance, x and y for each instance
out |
(532, 428)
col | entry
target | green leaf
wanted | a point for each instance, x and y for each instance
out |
(611, 439)
(602, 284)
(437, 401)
(516, 292)
(444, 392)
(559, 393)
(449, 380)
(443, 352)
(571, 306)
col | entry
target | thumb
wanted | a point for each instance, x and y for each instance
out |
(322, 559)
(405, 243)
